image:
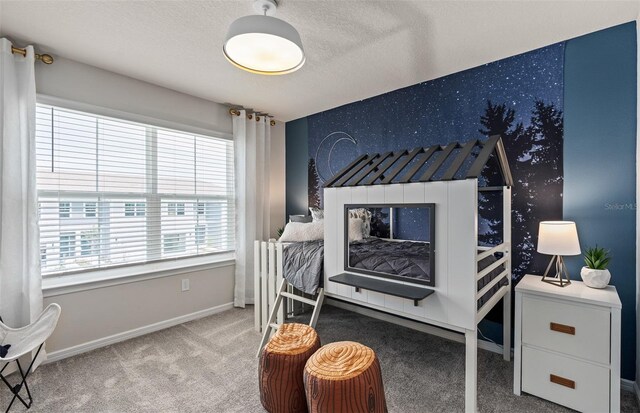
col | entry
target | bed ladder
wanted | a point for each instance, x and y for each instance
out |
(282, 293)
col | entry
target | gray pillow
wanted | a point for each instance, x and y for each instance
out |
(365, 215)
(300, 218)
(316, 213)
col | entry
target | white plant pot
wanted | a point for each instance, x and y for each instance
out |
(595, 278)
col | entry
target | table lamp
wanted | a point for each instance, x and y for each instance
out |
(558, 238)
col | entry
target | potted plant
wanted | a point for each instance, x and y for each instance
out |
(595, 274)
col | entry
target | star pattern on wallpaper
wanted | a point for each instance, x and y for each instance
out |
(520, 98)
(437, 111)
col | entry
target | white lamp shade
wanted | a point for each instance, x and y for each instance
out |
(264, 45)
(558, 238)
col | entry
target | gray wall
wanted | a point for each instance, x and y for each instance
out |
(113, 312)
(84, 84)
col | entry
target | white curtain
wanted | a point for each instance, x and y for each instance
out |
(20, 280)
(252, 147)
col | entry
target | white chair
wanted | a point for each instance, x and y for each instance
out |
(23, 341)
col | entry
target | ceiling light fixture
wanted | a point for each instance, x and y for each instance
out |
(263, 44)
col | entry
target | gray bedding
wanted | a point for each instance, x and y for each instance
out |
(303, 265)
(404, 258)
(411, 260)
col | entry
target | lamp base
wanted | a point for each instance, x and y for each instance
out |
(561, 278)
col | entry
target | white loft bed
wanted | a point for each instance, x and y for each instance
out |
(454, 303)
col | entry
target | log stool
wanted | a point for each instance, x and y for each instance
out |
(344, 377)
(282, 367)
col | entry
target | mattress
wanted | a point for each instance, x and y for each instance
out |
(402, 258)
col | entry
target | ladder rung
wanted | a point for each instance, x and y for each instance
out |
(274, 325)
(298, 298)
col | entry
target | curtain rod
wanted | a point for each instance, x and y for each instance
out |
(236, 112)
(47, 59)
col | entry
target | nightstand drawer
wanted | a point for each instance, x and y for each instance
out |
(575, 329)
(576, 384)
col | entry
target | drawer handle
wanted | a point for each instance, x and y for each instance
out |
(562, 381)
(562, 328)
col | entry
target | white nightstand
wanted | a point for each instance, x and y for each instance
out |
(567, 344)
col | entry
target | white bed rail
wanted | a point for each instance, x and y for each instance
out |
(505, 263)
(268, 276)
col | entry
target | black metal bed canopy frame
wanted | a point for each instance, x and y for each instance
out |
(371, 169)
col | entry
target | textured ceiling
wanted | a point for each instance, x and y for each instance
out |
(355, 49)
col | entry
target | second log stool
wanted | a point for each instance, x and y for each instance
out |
(282, 365)
(344, 377)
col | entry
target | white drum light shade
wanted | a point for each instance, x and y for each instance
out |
(265, 45)
(558, 238)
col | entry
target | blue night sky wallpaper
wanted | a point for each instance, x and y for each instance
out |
(520, 98)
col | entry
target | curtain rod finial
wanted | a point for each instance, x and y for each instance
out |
(47, 59)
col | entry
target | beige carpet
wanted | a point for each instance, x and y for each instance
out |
(208, 365)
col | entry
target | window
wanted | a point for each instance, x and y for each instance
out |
(67, 244)
(89, 209)
(64, 209)
(129, 209)
(136, 209)
(176, 208)
(132, 193)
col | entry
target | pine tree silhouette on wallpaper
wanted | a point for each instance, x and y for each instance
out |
(380, 226)
(535, 158)
(313, 184)
(547, 121)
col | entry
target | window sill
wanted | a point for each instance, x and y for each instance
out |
(66, 284)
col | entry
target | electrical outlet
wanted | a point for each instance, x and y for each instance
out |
(185, 284)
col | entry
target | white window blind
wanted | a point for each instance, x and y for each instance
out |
(114, 192)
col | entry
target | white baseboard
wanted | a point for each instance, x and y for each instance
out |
(414, 325)
(627, 385)
(136, 332)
